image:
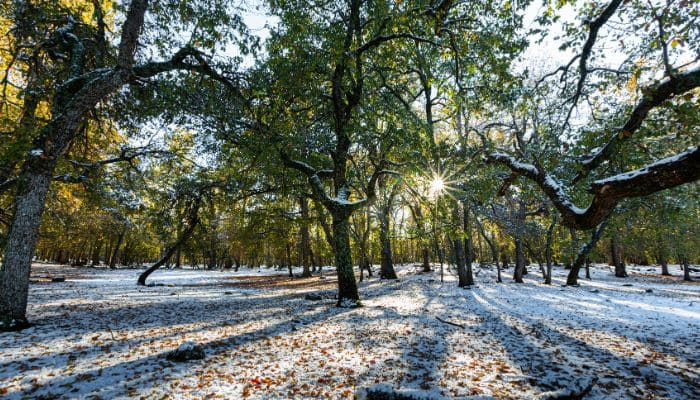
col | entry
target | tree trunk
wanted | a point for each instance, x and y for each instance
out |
(458, 248)
(289, 260)
(548, 251)
(588, 268)
(115, 253)
(582, 255)
(686, 270)
(387, 263)
(19, 249)
(348, 296)
(620, 270)
(96, 250)
(664, 264)
(519, 261)
(468, 254)
(305, 238)
(193, 220)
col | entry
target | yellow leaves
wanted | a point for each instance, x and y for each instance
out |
(632, 83)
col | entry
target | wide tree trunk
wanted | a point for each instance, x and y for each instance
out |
(348, 296)
(620, 270)
(21, 242)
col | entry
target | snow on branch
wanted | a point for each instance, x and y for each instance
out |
(653, 97)
(607, 193)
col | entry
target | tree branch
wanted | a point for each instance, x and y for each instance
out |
(653, 97)
(130, 33)
(607, 193)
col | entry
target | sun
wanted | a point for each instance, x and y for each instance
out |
(437, 186)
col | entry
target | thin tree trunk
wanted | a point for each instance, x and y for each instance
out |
(192, 221)
(519, 270)
(468, 254)
(115, 254)
(305, 238)
(458, 248)
(548, 251)
(387, 263)
(96, 250)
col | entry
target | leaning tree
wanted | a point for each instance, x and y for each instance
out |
(92, 70)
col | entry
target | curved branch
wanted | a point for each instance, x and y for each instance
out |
(607, 193)
(653, 97)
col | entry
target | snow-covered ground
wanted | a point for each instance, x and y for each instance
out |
(99, 336)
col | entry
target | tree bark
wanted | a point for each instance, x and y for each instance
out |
(458, 248)
(348, 296)
(386, 263)
(19, 249)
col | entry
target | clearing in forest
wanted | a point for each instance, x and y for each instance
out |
(99, 336)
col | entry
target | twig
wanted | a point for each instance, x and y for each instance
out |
(450, 323)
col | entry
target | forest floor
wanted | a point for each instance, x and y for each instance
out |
(99, 336)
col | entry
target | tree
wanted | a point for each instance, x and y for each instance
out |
(83, 83)
(673, 94)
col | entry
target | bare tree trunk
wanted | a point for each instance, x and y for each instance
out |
(96, 250)
(519, 270)
(664, 264)
(19, 249)
(387, 263)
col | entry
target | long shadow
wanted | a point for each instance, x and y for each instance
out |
(531, 357)
(104, 377)
(84, 319)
